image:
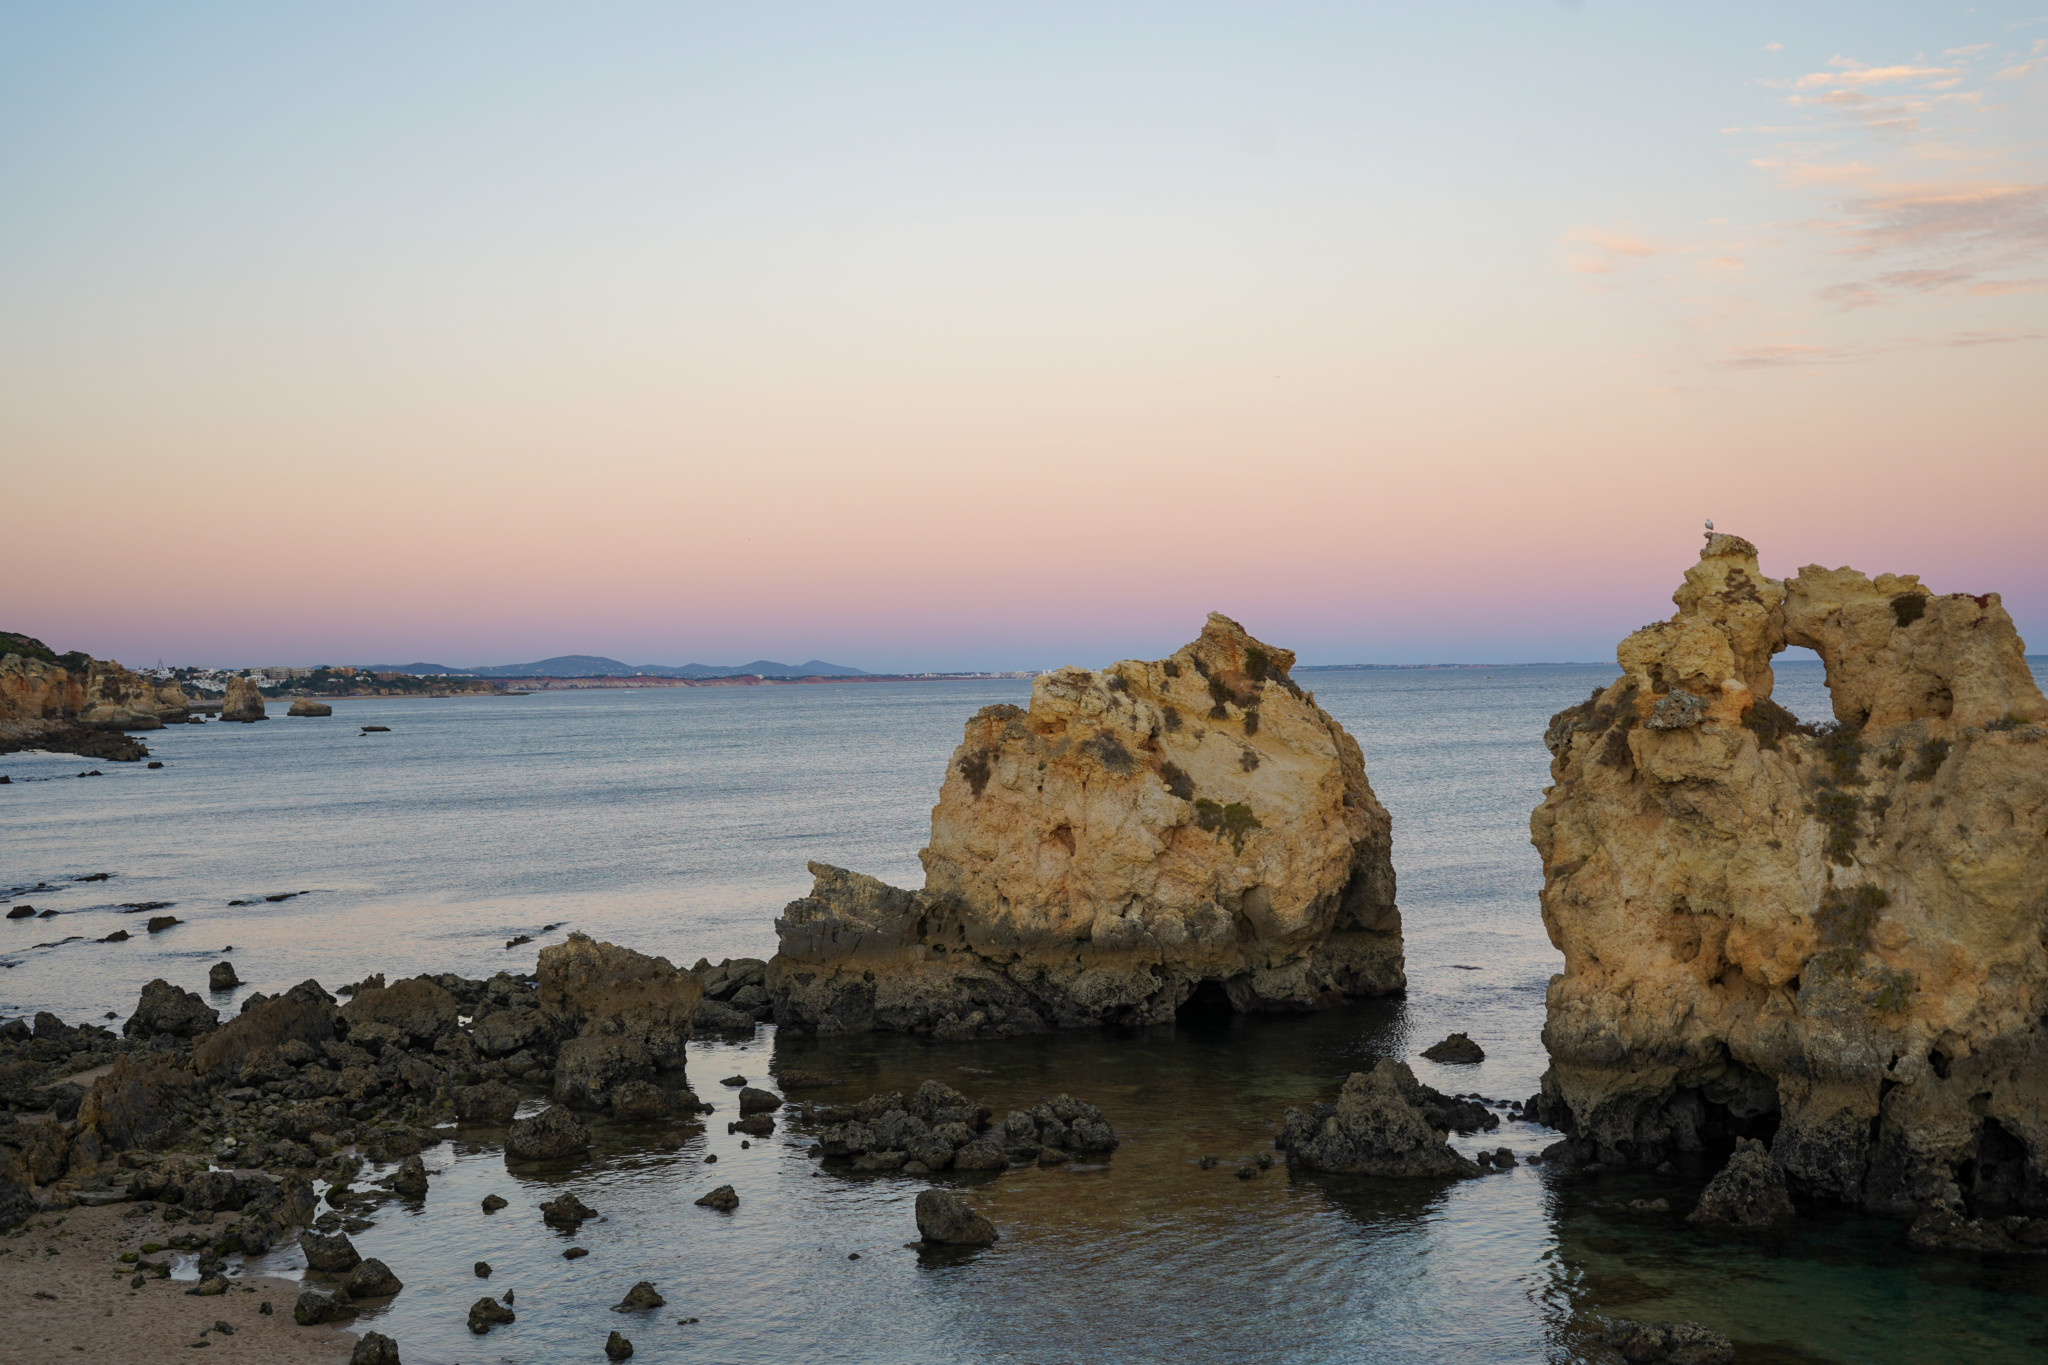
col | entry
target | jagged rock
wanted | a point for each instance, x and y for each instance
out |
(410, 1180)
(1139, 833)
(589, 1068)
(641, 1296)
(566, 1211)
(165, 1008)
(332, 1252)
(371, 1279)
(1827, 934)
(756, 1101)
(946, 1219)
(713, 1016)
(417, 1008)
(306, 707)
(491, 1102)
(487, 1313)
(616, 1347)
(1749, 1192)
(504, 1032)
(612, 990)
(1375, 1128)
(1456, 1049)
(313, 1308)
(139, 1103)
(1678, 1343)
(17, 1190)
(723, 1199)
(492, 1203)
(243, 701)
(302, 1015)
(642, 1100)
(221, 977)
(374, 1349)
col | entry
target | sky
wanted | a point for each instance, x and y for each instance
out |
(997, 336)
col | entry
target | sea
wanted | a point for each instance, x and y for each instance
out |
(679, 822)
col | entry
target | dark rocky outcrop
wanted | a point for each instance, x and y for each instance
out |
(553, 1132)
(566, 1211)
(723, 1199)
(640, 1297)
(371, 1279)
(165, 1008)
(945, 1219)
(1676, 1343)
(487, 1313)
(331, 1252)
(1458, 1049)
(1376, 1127)
(1749, 1192)
(374, 1349)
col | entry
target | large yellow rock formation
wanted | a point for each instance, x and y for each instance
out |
(1140, 831)
(68, 702)
(1834, 937)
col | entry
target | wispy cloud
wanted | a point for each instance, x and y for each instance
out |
(1603, 253)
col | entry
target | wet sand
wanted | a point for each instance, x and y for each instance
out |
(91, 1313)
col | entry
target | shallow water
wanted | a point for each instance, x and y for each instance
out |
(679, 821)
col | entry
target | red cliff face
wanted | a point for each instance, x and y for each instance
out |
(51, 703)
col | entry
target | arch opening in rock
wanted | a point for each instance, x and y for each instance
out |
(1208, 1003)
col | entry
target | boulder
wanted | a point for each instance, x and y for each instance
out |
(243, 701)
(221, 977)
(616, 1347)
(1456, 1049)
(603, 988)
(641, 1100)
(305, 707)
(418, 1008)
(491, 1102)
(331, 1252)
(944, 1218)
(591, 1067)
(1373, 1129)
(371, 1279)
(1143, 834)
(304, 1014)
(756, 1101)
(313, 1308)
(410, 1179)
(723, 1199)
(138, 1103)
(504, 1032)
(165, 1008)
(553, 1132)
(374, 1349)
(17, 1190)
(1749, 1192)
(981, 1154)
(1824, 933)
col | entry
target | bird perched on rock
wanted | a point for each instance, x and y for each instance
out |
(1710, 523)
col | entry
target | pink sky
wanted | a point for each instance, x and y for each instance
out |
(979, 352)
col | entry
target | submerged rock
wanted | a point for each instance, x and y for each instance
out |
(1679, 1343)
(945, 1219)
(723, 1199)
(1375, 1128)
(641, 1296)
(1829, 935)
(1749, 1192)
(487, 1313)
(617, 1347)
(1139, 833)
(566, 1211)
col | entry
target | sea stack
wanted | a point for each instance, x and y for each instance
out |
(243, 701)
(1142, 833)
(305, 706)
(1826, 937)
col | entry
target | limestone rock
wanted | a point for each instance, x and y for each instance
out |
(418, 1008)
(1824, 936)
(303, 706)
(565, 1210)
(553, 1132)
(374, 1349)
(371, 1279)
(1674, 1343)
(491, 1102)
(331, 1252)
(1140, 832)
(139, 1103)
(723, 1199)
(304, 1014)
(641, 1296)
(612, 990)
(1748, 1193)
(944, 1218)
(1375, 1128)
(221, 977)
(487, 1313)
(165, 1008)
(243, 701)
(72, 703)
(1458, 1049)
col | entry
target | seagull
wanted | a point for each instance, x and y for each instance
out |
(1710, 523)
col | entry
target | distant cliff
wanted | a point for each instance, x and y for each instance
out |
(73, 703)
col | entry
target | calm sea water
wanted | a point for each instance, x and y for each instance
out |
(679, 822)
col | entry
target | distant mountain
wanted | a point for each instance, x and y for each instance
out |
(417, 670)
(597, 666)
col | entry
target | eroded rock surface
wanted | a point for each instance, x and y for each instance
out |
(1139, 833)
(244, 702)
(1826, 937)
(1382, 1124)
(73, 703)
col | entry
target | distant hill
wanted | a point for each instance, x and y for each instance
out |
(597, 666)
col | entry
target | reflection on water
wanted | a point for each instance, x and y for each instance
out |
(678, 823)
